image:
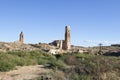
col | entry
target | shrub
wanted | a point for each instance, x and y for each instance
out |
(41, 61)
(6, 65)
(7, 62)
(80, 77)
(61, 57)
(57, 64)
(71, 60)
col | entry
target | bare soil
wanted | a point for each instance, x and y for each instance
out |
(24, 73)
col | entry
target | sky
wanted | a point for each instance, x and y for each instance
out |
(91, 21)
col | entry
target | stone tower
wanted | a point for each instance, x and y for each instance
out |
(61, 44)
(21, 39)
(67, 45)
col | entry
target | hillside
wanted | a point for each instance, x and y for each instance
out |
(66, 66)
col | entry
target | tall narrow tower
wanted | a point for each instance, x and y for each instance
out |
(67, 38)
(21, 39)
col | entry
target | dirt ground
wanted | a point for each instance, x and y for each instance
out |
(24, 73)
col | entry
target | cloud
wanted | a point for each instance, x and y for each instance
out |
(102, 42)
(96, 43)
(89, 41)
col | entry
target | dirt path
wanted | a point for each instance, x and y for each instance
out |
(24, 73)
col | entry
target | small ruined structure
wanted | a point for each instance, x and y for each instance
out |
(54, 51)
(63, 44)
(21, 39)
(57, 43)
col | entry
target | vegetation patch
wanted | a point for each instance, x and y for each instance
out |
(75, 66)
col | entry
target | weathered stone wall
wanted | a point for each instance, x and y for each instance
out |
(67, 38)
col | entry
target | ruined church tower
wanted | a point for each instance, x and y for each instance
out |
(67, 38)
(21, 39)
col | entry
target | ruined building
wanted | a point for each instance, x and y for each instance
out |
(63, 44)
(21, 39)
(67, 38)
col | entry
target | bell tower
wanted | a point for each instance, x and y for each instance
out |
(21, 39)
(67, 38)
